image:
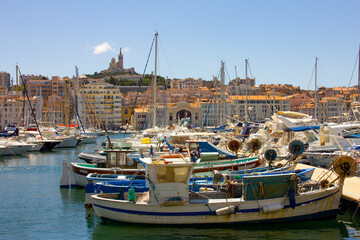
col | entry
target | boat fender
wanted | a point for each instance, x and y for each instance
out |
(217, 176)
(261, 189)
(131, 195)
(225, 210)
(291, 195)
(274, 207)
(279, 165)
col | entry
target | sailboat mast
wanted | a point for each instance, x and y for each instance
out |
(246, 91)
(11, 103)
(359, 75)
(237, 90)
(17, 113)
(222, 111)
(166, 110)
(315, 98)
(154, 83)
(66, 110)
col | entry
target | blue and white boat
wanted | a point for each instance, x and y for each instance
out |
(258, 198)
(98, 183)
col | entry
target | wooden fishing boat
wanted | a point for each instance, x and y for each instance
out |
(117, 162)
(102, 183)
(256, 199)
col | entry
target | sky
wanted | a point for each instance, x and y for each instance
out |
(280, 38)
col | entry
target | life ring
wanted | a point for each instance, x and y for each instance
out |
(171, 127)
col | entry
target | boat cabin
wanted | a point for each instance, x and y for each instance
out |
(118, 158)
(169, 182)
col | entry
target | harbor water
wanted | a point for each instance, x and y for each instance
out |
(33, 206)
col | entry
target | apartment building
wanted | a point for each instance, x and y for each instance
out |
(5, 80)
(105, 102)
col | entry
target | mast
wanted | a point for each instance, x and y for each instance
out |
(77, 95)
(66, 110)
(222, 109)
(315, 98)
(166, 110)
(237, 86)
(17, 113)
(359, 75)
(274, 100)
(11, 103)
(246, 91)
(154, 82)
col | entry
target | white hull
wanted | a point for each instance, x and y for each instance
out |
(89, 157)
(68, 142)
(91, 139)
(35, 147)
(80, 180)
(311, 205)
(15, 150)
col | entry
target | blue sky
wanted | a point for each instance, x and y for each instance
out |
(281, 38)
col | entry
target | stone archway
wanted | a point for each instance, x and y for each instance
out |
(183, 114)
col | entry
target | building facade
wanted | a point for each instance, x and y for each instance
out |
(105, 102)
(5, 80)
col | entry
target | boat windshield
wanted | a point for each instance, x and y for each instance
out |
(168, 174)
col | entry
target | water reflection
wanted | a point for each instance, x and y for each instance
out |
(72, 195)
(325, 229)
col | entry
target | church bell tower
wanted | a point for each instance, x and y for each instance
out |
(120, 62)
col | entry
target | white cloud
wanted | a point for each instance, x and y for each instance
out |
(126, 49)
(102, 48)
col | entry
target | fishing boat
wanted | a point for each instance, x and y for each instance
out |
(208, 151)
(103, 183)
(118, 163)
(121, 161)
(253, 199)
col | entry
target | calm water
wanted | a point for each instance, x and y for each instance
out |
(32, 206)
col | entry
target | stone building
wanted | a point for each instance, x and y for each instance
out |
(118, 66)
(5, 80)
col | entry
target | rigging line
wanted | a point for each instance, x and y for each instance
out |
(228, 75)
(248, 64)
(312, 74)
(27, 96)
(352, 74)
(211, 100)
(140, 82)
(166, 58)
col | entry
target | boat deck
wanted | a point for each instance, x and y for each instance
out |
(351, 190)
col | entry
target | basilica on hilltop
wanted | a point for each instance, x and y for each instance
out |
(118, 67)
